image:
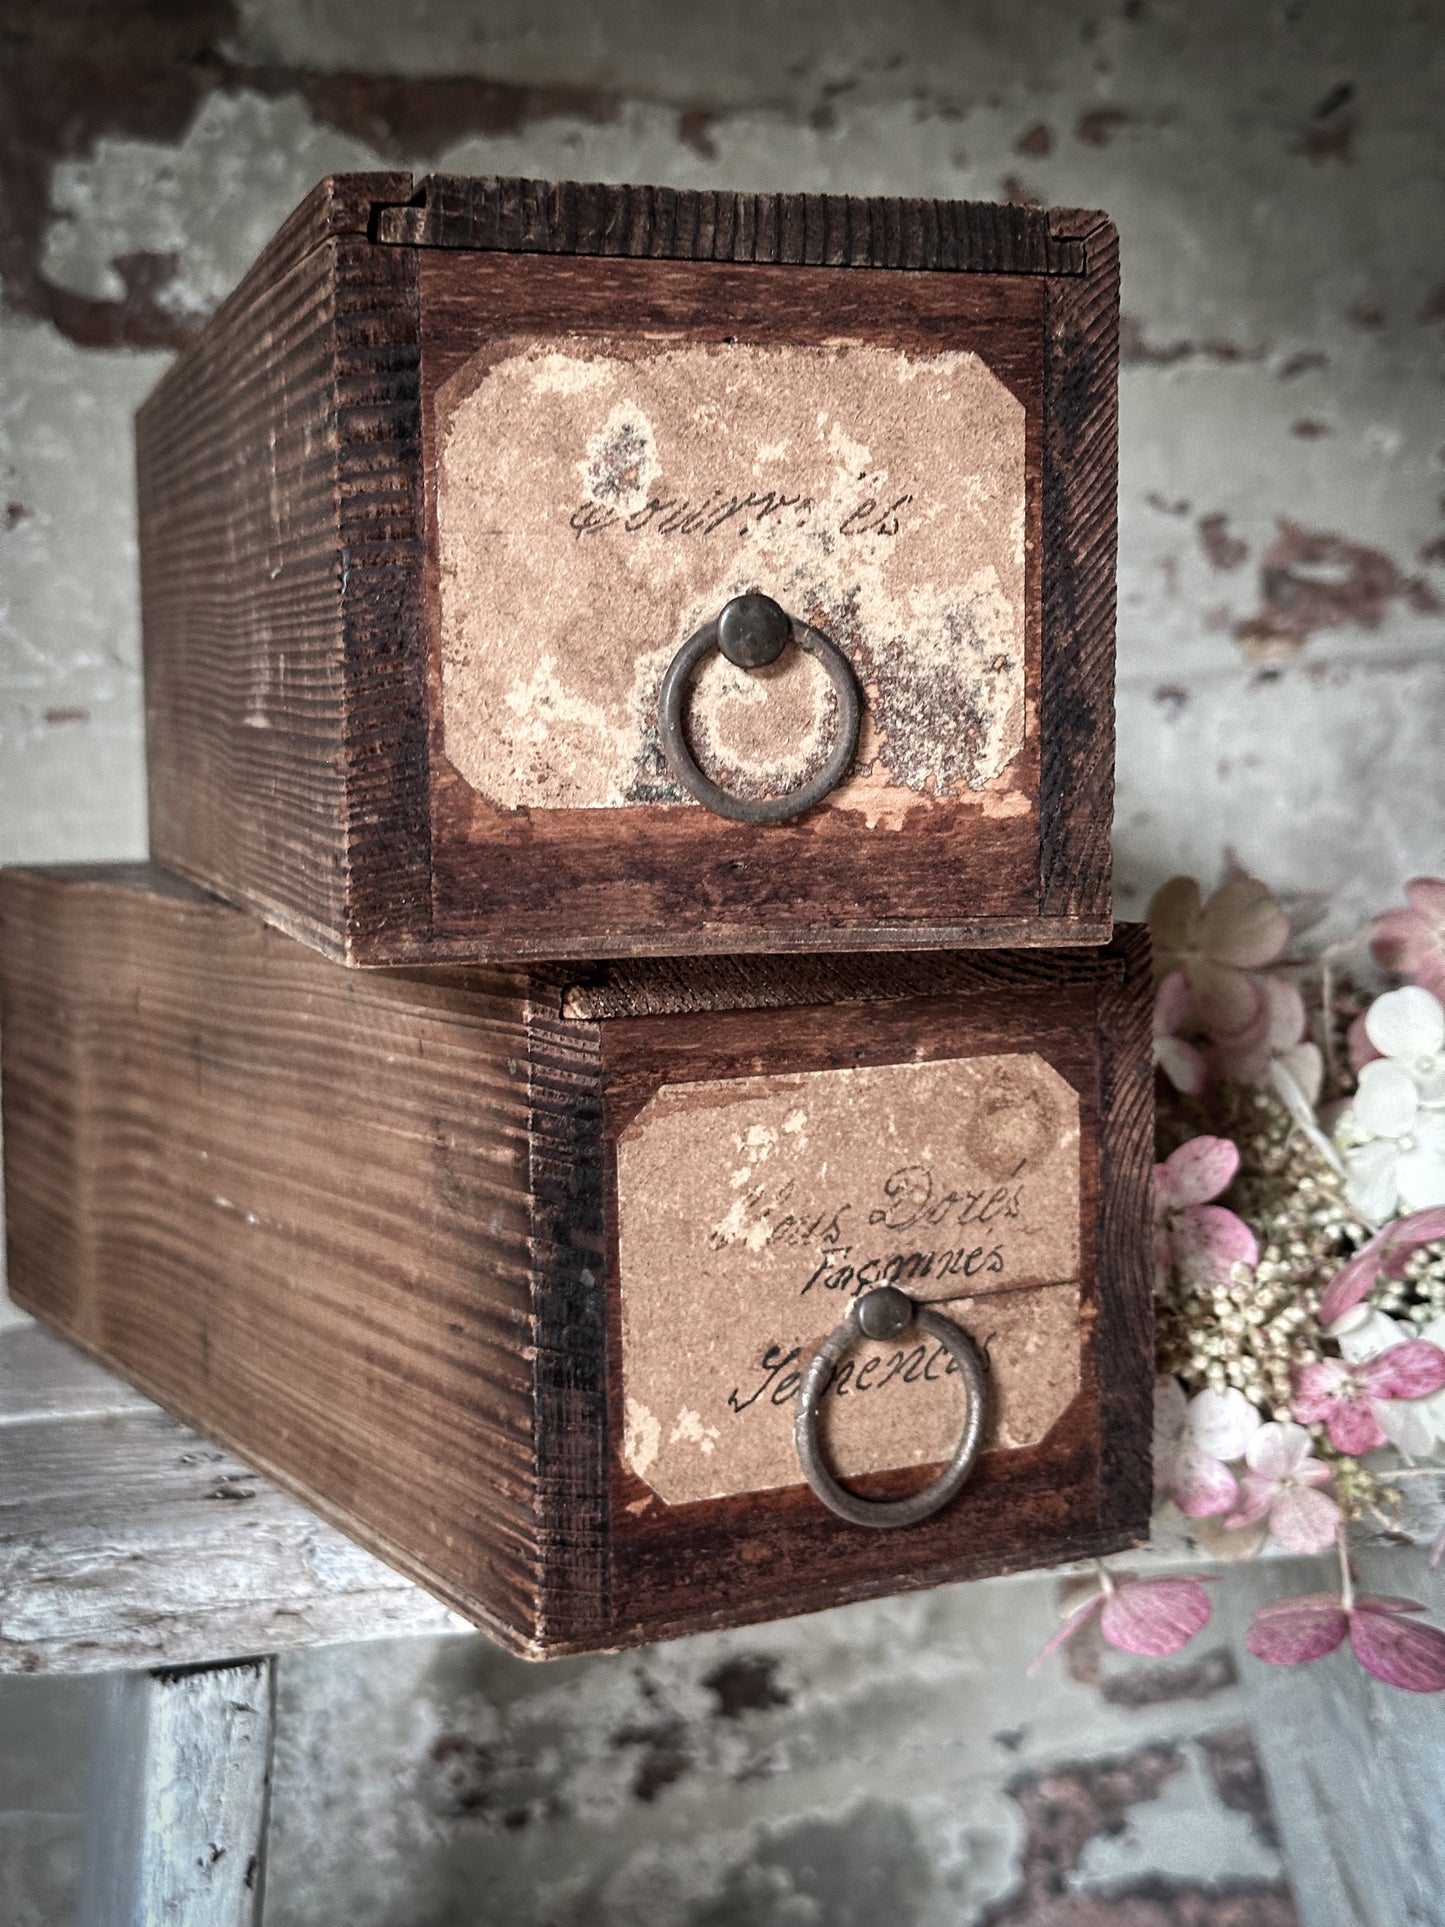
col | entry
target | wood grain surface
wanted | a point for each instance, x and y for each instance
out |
(361, 1228)
(291, 701)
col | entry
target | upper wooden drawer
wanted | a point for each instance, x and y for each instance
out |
(433, 503)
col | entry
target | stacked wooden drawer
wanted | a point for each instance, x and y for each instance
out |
(624, 1068)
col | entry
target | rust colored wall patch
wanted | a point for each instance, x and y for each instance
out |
(751, 1211)
(599, 500)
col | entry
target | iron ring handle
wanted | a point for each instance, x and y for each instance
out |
(751, 631)
(884, 1313)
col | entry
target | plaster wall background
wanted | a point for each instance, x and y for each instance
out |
(1276, 171)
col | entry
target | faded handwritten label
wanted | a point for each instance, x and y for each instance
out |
(598, 501)
(752, 1211)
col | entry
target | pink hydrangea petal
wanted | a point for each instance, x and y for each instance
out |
(1181, 1063)
(1427, 896)
(1198, 1171)
(1314, 1472)
(1173, 914)
(1306, 1065)
(1399, 1651)
(1358, 1048)
(1317, 1386)
(1070, 1626)
(1172, 1002)
(1303, 1520)
(1278, 1449)
(1242, 924)
(1227, 1002)
(1402, 939)
(1202, 1487)
(1209, 1241)
(1430, 974)
(1291, 1632)
(1412, 1370)
(1285, 1012)
(1353, 1428)
(1404, 1238)
(1256, 1496)
(1153, 1617)
(1384, 1602)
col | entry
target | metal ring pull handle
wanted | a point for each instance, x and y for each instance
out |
(884, 1313)
(753, 631)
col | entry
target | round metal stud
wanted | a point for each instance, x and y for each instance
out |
(753, 631)
(870, 1319)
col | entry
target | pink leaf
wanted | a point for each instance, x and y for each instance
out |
(1399, 1651)
(1181, 1063)
(1066, 1632)
(1209, 1241)
(1202, 1486)
(1154, 1616)
(1290, 1632)
(1303, 1520)
(1412, 1370)
(1198, 1171)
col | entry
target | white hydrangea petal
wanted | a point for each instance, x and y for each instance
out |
(1420, 1178)
(1365, 1337)
(1406, 1023)
(1429, 1075)
(1370, 1183)
(1222, 1423)
(1406, 1427)
(1278, 1450)
(1387, 1100)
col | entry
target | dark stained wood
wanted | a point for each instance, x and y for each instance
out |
(361, 1228)
(793, 230)
(291, 719)
(1080, 488)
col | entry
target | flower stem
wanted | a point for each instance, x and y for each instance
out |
(1347, 1584)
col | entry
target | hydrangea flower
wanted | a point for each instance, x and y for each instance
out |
(1280, 1484)
(1347, 1397)
(1393, 1132)
(1385, 1640)
(1413, 1425)
(1412, 941)
(1201, 1240)
(1151, 1617)
(1194, 1442)
(1181, 1062)
(1216, 943)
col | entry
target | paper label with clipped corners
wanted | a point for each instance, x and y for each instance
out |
(750, 1212)
(598, 500)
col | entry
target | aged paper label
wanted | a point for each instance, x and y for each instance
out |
(599, 500)
(751, 1211)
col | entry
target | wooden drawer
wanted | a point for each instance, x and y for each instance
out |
(513, 1274)
(432, 504)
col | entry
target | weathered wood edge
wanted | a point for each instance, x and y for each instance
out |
(659, 986)
(339, 204)
(1080, 538)
(1125, 1286)
(569, 1312)
(518, 215)
(377, 375)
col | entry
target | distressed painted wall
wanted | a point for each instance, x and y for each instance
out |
(1276, 171)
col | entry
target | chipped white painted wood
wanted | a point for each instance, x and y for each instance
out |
(176, 1821)
(126, 1540)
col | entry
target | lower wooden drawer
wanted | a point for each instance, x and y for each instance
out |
(516, 1274)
